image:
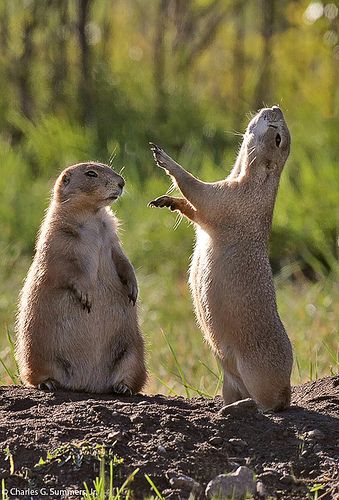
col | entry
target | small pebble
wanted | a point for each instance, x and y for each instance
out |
(240, 443)
(168, 493)
(268, 475)
(216, 440)
(315, 434)
(233, 466)
(238, 408)
(236, 484)
(261, 490)
(136, 419)
(270, 469)
(161, 449)
(287, 479)
(184, 482)
(115, 436)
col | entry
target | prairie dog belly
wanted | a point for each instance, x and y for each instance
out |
(227, 299)
(102, 336)
(85, 344)
(209, 286)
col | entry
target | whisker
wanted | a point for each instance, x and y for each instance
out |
(172, 188)
(234, 132)
(251, 151)
(178, 219)
(112, 156)
(252, 161)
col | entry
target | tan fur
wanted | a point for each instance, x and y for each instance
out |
(230, 277)
(77, 325)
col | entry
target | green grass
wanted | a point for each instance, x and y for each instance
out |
(4, 494)
(180, 363)
(74, 455)
(315, 490)
(103, 487)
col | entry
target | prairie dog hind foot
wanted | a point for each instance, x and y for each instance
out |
(122, 389)
(48, 385)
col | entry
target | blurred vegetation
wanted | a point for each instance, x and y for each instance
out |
(97, 79)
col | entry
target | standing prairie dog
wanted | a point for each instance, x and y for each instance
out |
(230, 276)
(77, 325)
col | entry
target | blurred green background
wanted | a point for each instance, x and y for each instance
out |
(98, 79)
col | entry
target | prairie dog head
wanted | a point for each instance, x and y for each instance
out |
(88, 185)
(266, 145)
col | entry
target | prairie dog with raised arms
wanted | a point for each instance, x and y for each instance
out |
(77, 325)
(230, 277)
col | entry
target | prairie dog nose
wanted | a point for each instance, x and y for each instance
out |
(121, 182)
(274, 114)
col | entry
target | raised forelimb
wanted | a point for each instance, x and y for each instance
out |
(192, 188)
(179, 204)
(125, 272)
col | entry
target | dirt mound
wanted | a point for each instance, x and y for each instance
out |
(289, 452)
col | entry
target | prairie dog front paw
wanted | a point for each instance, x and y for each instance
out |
(132, 288)
(163, 201)
(82, 296)
(162, 159)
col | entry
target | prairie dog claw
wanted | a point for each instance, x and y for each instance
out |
(122, 389)
(48, 385)
(162, 201)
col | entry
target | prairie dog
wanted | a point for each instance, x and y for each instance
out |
(77, 325)
(230, 275)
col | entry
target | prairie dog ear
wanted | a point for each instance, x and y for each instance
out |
(65, 180)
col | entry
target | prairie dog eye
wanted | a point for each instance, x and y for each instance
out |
(91, 173)
(277, 140)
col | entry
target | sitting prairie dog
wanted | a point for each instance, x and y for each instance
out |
(77, 325)
(230, 276)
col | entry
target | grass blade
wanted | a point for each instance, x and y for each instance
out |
(154, 488)
(181, 373)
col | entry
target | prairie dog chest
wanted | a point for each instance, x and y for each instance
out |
(107, 239)
(202, 260)
(97, 237)
(214, 264)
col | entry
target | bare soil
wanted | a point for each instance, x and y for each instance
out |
(165, 437)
